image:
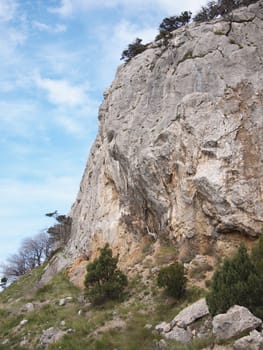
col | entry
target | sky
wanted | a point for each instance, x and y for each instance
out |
(56, 59)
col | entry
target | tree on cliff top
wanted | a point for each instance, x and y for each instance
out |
(133, 50)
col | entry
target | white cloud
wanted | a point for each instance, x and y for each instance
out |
(65, 9)
(16, 117)
(7, 9)
(68, 8)
(62, 92)
(58, 28)
(71, 125)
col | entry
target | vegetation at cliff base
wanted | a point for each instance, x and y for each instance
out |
(104, 280)
(172, 278)
(238, 281)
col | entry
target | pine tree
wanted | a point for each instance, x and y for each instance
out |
(104, 280)
(236, 282)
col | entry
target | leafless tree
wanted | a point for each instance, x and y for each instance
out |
(33, 252)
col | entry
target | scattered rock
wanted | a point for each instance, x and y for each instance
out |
(23, 322)
(163, 327)
(29, 307)
(191, 313)
(179, 334)
(50, 335)
(63, 301)
(63, 323)
(237, 321)
(148, 326)
(253, 341)
(161, 345)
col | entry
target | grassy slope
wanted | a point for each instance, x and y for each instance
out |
(143, 304)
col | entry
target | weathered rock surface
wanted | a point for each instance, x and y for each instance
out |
(179, 151)
(178, 328)
(253, 341)
(190, 314)
(237, 321)
(179, 334)
(51, 335)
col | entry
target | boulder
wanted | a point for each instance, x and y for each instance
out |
(237, 321)
(179, 334)
(191, 313)
(163, 327)
(253, 341)
(28, 307)
(50, 335)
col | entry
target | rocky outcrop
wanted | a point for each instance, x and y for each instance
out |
(237, 321)
(182, 328)
(191, 313)
(179, 151)
(180, 145)
(253, 341)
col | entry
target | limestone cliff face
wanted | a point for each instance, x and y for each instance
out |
(180, 145)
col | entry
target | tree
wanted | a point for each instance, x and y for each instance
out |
(172, 278)
(236, 282)
(133, 50)
(172, 23)
(104, 280)
(32, 253)
(3, 282)
(219, 8)
(60, 232)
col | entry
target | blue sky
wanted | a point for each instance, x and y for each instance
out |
(56, 59)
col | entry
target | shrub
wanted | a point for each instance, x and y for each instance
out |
(219, 8)
(133, 50)
(172, 278)
(236, 282)
(170, 24)
(104, 280)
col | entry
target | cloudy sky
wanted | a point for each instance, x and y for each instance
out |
(56, 59)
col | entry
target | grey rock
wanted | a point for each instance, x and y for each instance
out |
(191, 313)
(23, 322)
(51, 335)
(237, 321)
(163, 327)
(253, 341)
(161, 345)
(179, 334)
(148, 326)
(28, 307)
(62, 302)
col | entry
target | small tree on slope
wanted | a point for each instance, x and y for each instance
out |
(104, 280)
(236, 282)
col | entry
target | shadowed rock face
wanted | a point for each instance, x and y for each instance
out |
(180, 145)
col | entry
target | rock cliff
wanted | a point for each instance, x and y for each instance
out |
(179, 152)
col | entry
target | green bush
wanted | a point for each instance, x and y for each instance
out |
(236, 282)
(104, 280)
(173, 280)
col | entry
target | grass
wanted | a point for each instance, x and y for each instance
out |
(144, 303)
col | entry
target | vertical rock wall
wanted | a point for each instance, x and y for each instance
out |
(179, 151)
